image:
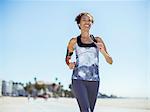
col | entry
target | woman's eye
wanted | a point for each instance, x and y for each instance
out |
(84, 20)
(87, 20)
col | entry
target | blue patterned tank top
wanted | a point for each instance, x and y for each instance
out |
(87, 61)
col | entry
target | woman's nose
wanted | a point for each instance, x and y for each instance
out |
(87, 22)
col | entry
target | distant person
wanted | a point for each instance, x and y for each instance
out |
(85, 77)
(29, 96)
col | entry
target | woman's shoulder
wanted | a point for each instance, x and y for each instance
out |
(73, 40)
(98, 38)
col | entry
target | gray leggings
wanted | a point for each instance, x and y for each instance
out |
(86, 94)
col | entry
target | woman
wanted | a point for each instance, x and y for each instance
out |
(85, 77)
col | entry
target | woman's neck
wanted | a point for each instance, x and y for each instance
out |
(85, 34)
(85, 37)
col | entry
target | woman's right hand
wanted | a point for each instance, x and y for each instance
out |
(72, 65)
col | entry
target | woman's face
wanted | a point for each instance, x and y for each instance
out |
(85, 22)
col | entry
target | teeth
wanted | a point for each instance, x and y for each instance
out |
(87, 25)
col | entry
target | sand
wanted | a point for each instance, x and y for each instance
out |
(22, 104)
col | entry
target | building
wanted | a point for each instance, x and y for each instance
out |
(0, 87)
(4, 88)
(7, 88)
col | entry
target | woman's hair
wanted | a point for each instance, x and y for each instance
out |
(78, 18)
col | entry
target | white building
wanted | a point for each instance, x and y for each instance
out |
(9, 88)
(0, 87)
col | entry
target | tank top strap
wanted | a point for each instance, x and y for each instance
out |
(93, 38)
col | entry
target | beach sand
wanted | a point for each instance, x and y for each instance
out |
(22, 104)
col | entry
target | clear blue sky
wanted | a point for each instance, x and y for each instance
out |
(34, 36)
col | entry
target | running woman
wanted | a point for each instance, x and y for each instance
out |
(85, 77)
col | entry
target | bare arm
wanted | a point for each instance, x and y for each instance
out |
(70, 49)
(102, 48)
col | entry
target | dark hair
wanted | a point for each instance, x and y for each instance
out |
(78, 18)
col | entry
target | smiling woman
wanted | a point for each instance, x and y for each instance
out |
(39, 31)
(85, 77)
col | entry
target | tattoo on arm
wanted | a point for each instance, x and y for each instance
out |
(70, 49)
(68, 56)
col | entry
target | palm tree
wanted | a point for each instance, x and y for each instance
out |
(28, 87)
(56, 79)
(35, 79)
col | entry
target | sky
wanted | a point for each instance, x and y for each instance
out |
(34, 37)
